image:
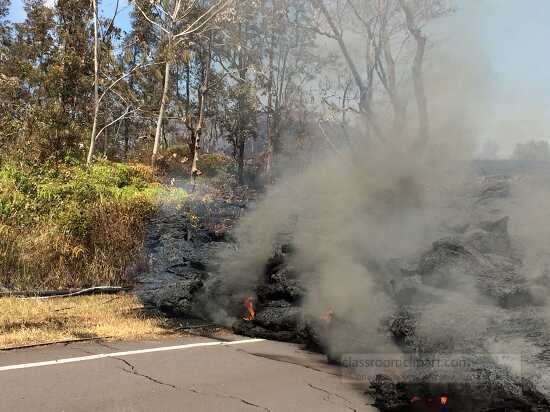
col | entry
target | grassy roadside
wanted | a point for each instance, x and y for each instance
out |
(65, 226)
(120, 317)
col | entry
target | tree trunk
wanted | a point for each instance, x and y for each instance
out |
(92, 138)
(240, 171)
(126, 139)
(197, 130)
(269, 143)
(164, 138)
(398, 105)
(420, 91)
(96, 88)
(105, 142)
(418, 79)
(160, 118)
(193, 149)
(364, 92)
(241, 132)
(126, 121)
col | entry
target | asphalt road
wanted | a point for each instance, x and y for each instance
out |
(248, 376)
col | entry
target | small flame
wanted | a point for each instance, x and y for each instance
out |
(444, 400)
(327, 315)
(248, 303)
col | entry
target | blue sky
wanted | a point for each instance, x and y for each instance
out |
(511, 36)
(106, 8)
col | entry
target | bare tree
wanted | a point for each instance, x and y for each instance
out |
(176, 21)
(364, 87)
(110, 86)
(386, 26)
(269, 120)
(379, 27)
(289, 62)
(98, 98)
(196, 127)
(417, 74)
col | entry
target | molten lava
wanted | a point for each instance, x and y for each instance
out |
(327, 315)
(250, 308)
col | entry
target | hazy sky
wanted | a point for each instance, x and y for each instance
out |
(512, 37)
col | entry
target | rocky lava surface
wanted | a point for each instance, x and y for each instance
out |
(478, 253)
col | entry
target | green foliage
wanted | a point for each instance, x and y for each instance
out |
(51, 194)
(84, 225)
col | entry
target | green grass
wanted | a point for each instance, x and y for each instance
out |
(64, 226)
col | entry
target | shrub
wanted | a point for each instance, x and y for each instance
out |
(213, 164)
(69, 226)
(174, 160)
(177, 160)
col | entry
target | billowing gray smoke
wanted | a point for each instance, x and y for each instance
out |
(350, 213)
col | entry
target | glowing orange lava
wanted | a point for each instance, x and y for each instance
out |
(250, 308)
(327, 315)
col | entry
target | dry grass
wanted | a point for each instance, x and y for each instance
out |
(33, 321)
(44, 259)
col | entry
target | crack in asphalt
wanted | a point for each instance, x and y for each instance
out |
(328, 394)
(134, 371)
(224, 395)
(288, 361)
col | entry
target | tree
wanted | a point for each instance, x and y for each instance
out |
(383, 24)
(113, 82)
(73, 65)
(139, 48)
(5, 29)
(288, 62)
(49, 61)
(96, 83)
(8, 85)
(174, 22)
(241, 61)
(364, 85)
(195, 123)
(417, 70)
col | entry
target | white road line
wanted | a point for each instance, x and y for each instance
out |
(121, 354)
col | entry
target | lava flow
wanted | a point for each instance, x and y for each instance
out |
(250, 308)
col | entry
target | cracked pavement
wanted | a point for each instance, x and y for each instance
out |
(261, 376)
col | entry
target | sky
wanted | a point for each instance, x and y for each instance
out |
(511, 36)
(106, 9)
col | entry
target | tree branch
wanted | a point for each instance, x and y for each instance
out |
(149, 19)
